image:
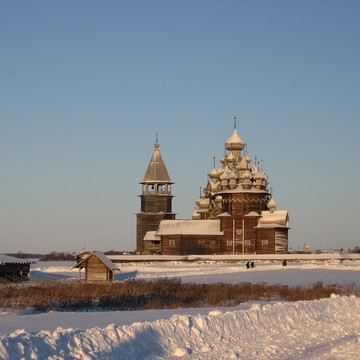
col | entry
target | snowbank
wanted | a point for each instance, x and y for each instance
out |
(322, 329)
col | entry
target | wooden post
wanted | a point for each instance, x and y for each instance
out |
(243, 236)
(233, 236)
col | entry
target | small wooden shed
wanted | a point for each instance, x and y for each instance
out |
(13, 268)
(98, 267)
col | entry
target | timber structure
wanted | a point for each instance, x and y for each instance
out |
(14, 269)
(156, 203)
(235, 215)
(98, 267)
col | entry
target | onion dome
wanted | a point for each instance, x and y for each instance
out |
(231, 157)
(234, 142)
(204, 203)
(246, 175)
(214, 186)
(197, 202)
(259, 176)
(232, 175)
(242, 165)
(225, 175)
(214, 174)
(271, 205)
(223, 159)
(246, 180)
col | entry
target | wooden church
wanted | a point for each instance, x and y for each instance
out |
(156, 204)
(236, 214)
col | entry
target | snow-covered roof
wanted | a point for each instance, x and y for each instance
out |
(279, 217)
(252, 214)
(151, 236)
(189, 227)
(101, 256)
(202, 210)
(224, 214)
(6, 259)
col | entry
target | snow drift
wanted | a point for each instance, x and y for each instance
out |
(321, 329)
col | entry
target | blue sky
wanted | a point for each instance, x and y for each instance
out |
(86, 85)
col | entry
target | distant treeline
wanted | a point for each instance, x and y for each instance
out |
(53, 256)
(57, 256)
(22, 255)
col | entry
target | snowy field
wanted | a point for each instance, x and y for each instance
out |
(323, 329)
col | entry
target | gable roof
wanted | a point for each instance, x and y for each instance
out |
(189, 227)
(101, 256)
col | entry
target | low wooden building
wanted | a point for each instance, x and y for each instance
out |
(14, 269)
(152, 243)
(98, 267)
(185, 237)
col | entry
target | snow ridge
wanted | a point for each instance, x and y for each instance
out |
(296, 330)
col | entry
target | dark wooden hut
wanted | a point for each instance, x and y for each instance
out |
(13, 268)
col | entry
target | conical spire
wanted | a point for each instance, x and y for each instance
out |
(156, 171)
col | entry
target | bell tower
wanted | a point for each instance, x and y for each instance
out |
(156, 198)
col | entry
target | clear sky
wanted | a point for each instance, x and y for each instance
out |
(85, 86)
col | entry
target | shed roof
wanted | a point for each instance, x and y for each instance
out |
(189, 227)
(151, 236)
(6, 259)
(101, 256)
